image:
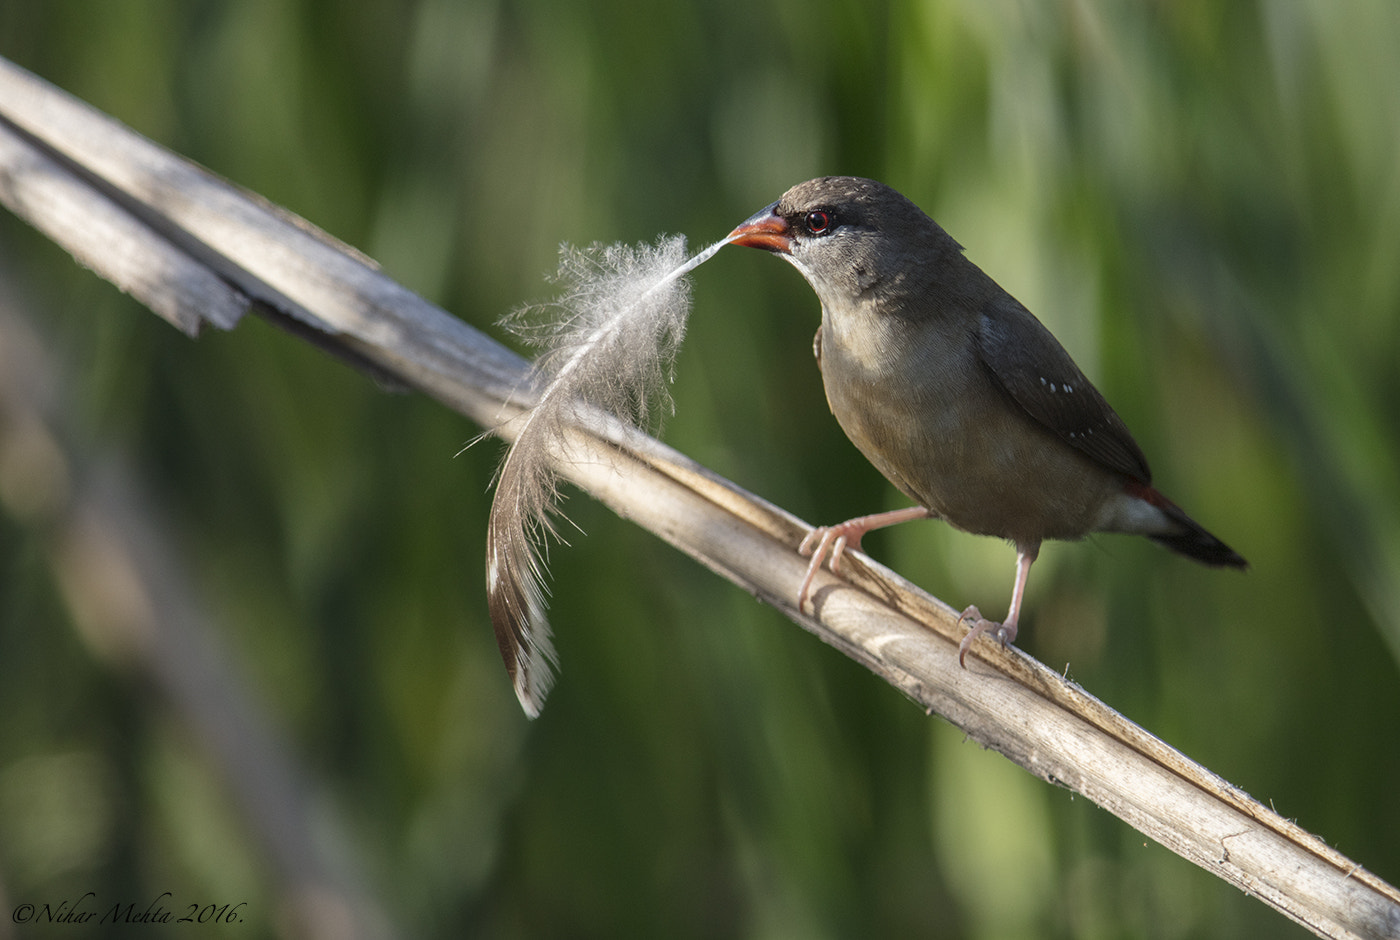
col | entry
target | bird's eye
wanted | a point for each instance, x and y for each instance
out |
(818, 222)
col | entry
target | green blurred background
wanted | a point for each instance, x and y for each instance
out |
(1201, 199)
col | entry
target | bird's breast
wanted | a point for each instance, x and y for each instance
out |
(916, 400)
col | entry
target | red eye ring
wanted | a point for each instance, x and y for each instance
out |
(818, 221)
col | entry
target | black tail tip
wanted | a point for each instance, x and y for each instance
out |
(1199, 545)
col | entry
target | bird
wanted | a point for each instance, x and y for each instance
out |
(956, 393)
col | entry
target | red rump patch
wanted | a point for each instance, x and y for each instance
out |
(1148, 494)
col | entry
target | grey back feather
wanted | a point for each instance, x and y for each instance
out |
(1039, 375)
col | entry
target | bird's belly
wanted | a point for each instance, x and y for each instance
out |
(989, 470)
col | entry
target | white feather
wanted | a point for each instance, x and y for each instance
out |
(608, 343)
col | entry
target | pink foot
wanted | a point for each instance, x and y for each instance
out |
(834, 540)
(1002, 632)
(823, 541)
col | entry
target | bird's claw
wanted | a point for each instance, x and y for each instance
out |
(1004, 633)
(827, 539)
(833, 541)
(821, 543)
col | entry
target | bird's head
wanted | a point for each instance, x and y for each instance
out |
(848, 236)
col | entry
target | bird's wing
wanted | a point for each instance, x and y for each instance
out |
(1034, 369)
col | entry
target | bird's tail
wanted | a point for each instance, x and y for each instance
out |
(1190, 539)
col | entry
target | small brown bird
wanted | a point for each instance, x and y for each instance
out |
(956, 393)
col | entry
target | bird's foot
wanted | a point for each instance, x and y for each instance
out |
(834, 540)
(1004, 633)
(824, 541)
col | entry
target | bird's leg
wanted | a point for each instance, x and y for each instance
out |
(834, 540)
(1006, 630)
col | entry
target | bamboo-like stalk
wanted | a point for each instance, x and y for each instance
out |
(195, 248)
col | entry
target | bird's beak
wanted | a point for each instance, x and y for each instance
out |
(764, 229)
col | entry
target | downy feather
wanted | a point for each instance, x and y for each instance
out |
(608, 343)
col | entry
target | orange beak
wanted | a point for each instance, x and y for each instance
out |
(764, 229)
